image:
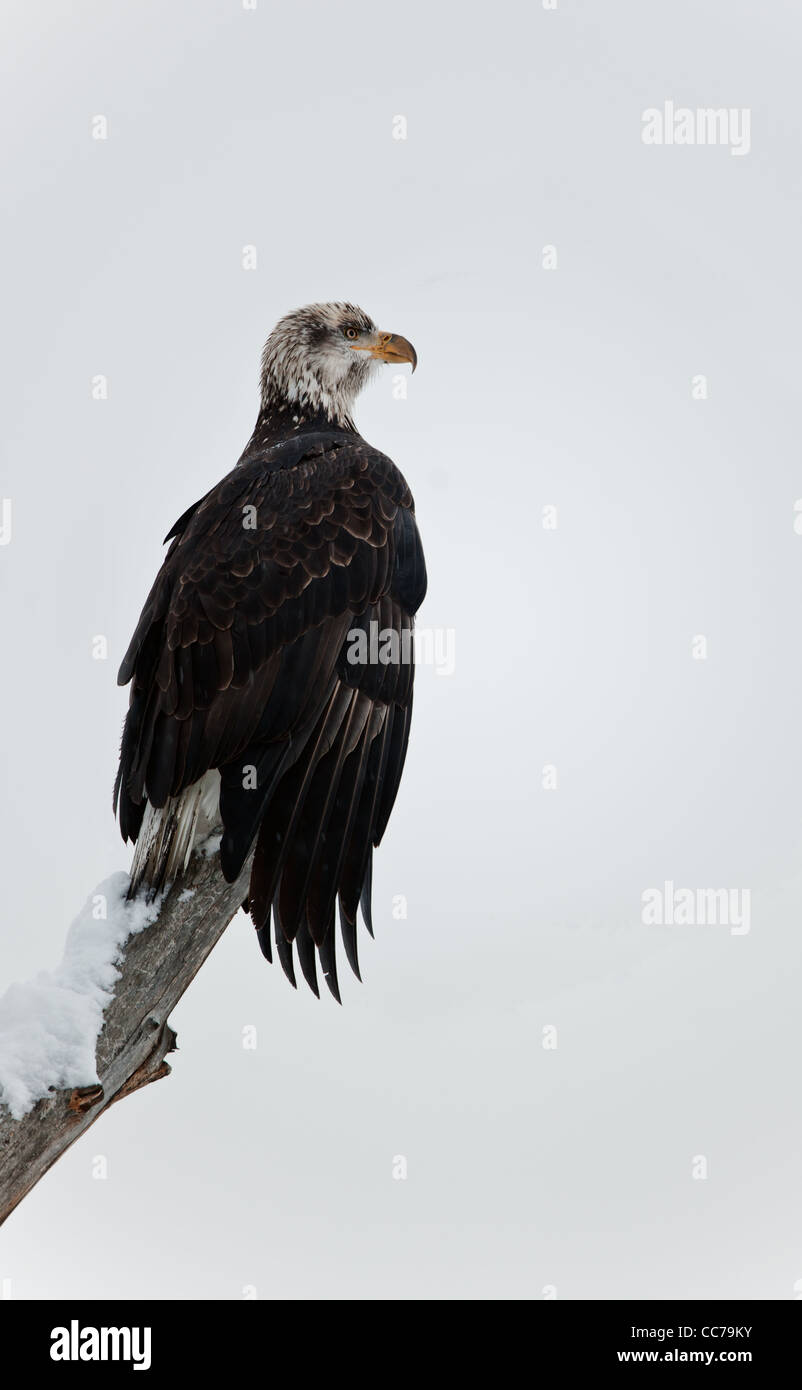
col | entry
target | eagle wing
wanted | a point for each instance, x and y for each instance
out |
(243, 661)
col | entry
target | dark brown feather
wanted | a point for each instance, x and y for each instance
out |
(240, 655)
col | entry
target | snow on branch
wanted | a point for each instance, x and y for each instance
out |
(49, 1026)
(75, 1039)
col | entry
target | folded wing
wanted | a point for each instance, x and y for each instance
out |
(275, 648)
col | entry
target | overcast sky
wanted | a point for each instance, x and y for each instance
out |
(643, 394)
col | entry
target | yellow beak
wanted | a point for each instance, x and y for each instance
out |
(389, 347)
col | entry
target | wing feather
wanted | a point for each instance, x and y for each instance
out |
(240, 658)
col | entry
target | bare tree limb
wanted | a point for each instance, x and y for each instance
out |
(157, 967)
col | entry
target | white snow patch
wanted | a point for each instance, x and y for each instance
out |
(210, 845)
(186, 895)
(49, 1025)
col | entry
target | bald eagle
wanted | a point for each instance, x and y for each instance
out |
(254, 711)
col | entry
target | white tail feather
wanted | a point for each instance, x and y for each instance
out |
(167, 835)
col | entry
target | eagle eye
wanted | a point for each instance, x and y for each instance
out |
(350, 332)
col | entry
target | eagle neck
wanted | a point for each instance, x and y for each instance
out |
(281, 420)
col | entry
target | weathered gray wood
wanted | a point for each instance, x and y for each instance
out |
(157, 967)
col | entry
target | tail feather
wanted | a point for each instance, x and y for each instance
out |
(168, 834)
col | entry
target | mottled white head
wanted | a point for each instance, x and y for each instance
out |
(317, 359)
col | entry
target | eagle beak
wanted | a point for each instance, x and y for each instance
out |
(390, 347)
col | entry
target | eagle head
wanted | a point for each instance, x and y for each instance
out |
(317, 359)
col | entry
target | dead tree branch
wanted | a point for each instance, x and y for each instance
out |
(157, 967)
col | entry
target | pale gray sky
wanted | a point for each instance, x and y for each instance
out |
(527, 1167)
